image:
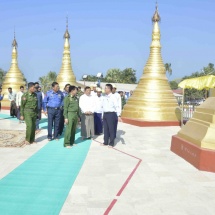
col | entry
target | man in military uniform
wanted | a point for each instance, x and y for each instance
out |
(40, 105)
(71, 115)
(123, 100)
(79, 93)
(65, 93)
(28, 112)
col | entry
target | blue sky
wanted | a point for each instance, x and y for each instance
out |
(106, 34)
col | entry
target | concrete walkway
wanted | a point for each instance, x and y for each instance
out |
(163, 183)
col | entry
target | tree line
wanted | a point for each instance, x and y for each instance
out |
(191, 94)
(128, 76)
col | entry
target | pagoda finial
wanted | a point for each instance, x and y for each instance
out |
(67, 22)
(66, 35)
(14, 44)
(156, 17)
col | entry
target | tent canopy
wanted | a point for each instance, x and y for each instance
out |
(200, 83)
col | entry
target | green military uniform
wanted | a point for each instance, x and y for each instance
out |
(29, 110)
(79, 94)
(71, 112)
(123, 101)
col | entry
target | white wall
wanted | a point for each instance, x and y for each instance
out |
(120, 87)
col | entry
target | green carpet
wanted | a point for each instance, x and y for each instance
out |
(41, 184)
(5, 116)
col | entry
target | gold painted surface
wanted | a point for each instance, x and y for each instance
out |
(212, 92)
(153, 100)
(200, 129)
(66, 75)
(14, 77)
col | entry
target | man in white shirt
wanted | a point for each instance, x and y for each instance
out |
(87, 106)
(98, 112)
(93, 91)
(112, 112)
(18, 102)
(125, 95)
(119, 101)
(12, 99)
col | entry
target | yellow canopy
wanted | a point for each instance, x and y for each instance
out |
(200, 83)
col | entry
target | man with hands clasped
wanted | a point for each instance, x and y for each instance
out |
(87, 106)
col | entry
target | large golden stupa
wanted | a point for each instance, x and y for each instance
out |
(152, 102)
(14, 77)
(66, 75)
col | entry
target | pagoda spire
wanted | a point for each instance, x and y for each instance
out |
(14, 77)
(156, 17)
(66, 74)
(14, 52)
(153, 100)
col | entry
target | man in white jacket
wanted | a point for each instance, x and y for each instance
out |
(18, 102)
(87, 106)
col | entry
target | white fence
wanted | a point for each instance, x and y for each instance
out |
(188, 111)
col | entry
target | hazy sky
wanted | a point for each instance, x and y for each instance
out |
(106, 34)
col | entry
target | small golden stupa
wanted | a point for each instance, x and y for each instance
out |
(14, 77)
(195, 142)
(152, 102)
(66, 75)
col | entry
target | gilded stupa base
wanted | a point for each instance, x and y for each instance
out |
(202, 159)
(5, 105)
(142, 123)
(195, 142)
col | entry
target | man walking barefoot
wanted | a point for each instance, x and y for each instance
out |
(87, 106)
(111, 116)
(71, 115)
(28, 112)
(52, 107)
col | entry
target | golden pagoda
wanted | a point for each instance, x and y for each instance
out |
(14, 77)
(66, 75)
(152, 102)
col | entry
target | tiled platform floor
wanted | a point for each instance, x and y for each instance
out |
(163, 184)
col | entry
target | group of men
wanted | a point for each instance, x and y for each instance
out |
(15, 99)
(91, 108)
(97, 113)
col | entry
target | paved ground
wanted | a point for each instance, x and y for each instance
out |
(162, 184)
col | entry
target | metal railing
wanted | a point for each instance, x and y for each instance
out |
(188, 111)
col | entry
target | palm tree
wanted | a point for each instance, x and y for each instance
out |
(46, 81)
(168, 68)
(2, 76)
